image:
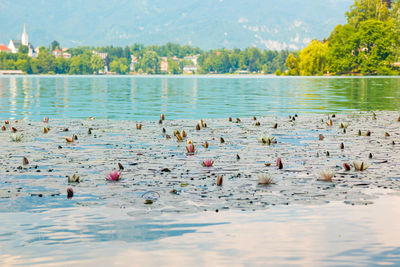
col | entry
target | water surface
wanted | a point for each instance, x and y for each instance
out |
(188, 97)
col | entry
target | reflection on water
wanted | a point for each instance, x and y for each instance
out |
(144, 98)
(332, 234)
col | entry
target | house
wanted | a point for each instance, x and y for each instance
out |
(104, 57)
(190, 69)
(192, 58)
(164, 65)
(134, 61)
(4, 48)
(57, 53)
(66, 55)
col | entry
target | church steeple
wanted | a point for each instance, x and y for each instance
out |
(24, 38)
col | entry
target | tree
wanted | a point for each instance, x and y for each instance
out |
(150, 63)
(119, 66)
(292, 65)
(44, 63)
(23, 65)
(312, 59)
(54, 45)
(96, 63)
(363, 10)
(23, 49)
(173, 67)
(61, 65)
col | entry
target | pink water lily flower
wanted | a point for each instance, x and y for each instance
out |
(114, 175)
(208, 163)
(190, 147)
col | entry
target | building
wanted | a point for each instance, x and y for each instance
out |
(57, 53)
(104, 57)
(15, 44)
(134, 61)
(164, 65)
(4, 48)
(190, 69)
(192, 58)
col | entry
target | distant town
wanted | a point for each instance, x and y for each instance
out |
(22, 57)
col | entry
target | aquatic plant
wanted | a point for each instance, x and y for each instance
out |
(257, 123)
(14, 130)
(329, 123)
(162, 117)
(205, 145)
(346, 166)
(74, 178)
(114, 175)
(264, 179)
(207, 163)
(360, 165)
(3, 128)
(279, 163)
(184, 134)
(275, 126)
(220, 180)
(190, 147)
(266, 139)
(197, 127)
(326, 175)
(341, 146)
(368, 133)
(344, 125)
(120, 166)
(138, 126)
(70, 192)
(70, 139)
(16, 137)
(321, 137)
(230, 119)
(222, 140)
(25, 161)
(46, 119)
(45, 130)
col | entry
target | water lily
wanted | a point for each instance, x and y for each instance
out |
(3, 128)
(208, 163)
(25, 161)
(360, 165)
(46, 119)
(329, 123)
(275, 126)
(70, 139)
(162, 117)
(13, 129)
(266, 139)
(326, 175)
(138, 126)
(321, 137)
(16, 137)
(219, 180)
(114, 175)
(279, 163)
(264, 179)
(45, 130)
(74, 178)
(190, 147)
(205, 145)
(197, 127)
(346, 166)
(341, 146)
(230, 119)
(344, 125)
(70, 193)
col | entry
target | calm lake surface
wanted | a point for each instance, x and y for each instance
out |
(145, 98)
(334, 234)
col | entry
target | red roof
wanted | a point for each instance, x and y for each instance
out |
(57, 50)
(4, 48)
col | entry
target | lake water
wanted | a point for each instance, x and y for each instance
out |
(103, 225)
(145, 98)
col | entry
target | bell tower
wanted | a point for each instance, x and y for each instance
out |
(24, 38)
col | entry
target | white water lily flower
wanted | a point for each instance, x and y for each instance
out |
(16, 137)
(264, 179)
(326, 175)
(266, 139)
(360, 165)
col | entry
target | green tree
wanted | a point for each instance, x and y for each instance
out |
(96, 63)
(292, 65)
(150, 63)
(23, 49)
(313, 58)
(54, 45)
(119, 66)
(23, 65)
(173, 67)
(61, 65)
(44, 63)
(363, 10)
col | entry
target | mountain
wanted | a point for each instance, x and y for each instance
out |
(204, 23)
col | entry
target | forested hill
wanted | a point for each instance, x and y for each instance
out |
(267, 24)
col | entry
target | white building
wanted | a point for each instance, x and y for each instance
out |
(14, 44)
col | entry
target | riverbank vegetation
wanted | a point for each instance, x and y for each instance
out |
(368, 44)
(165, 59)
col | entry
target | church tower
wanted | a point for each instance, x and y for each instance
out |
(24, 38)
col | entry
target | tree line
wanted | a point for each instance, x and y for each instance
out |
(147, 60)
(368, 44)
